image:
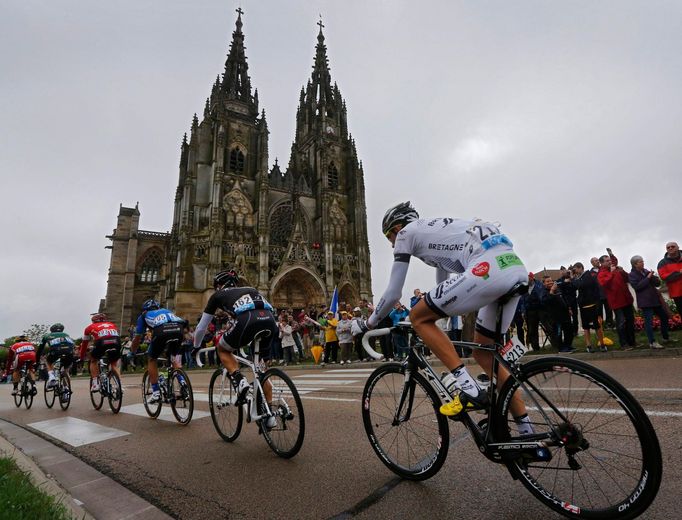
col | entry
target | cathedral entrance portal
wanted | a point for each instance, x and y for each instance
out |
(297, 289)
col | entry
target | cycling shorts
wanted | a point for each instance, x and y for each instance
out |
(489, 276)
(589, 316)
(56, 352)
(24, 357)
(247, 325)
(112, 343)
(166, 338)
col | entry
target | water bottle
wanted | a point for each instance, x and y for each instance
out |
(449, 382)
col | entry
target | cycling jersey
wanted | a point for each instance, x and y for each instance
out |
(20, 353)
(236, 300)
(156, 318)
(167, 331)
(55, 342)
(104, 336)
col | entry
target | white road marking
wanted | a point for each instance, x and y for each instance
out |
(332, 382)
(165, 415)
(76, 432)
(353, 370)
(611, 411)
(598, 389)
(327, 375)
(331, 399)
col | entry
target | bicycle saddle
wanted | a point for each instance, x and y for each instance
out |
(519, 288)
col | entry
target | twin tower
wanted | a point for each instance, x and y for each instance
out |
(295, 234)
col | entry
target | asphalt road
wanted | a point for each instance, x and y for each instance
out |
(189, 472)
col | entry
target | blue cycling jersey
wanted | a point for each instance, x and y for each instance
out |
(155, 318)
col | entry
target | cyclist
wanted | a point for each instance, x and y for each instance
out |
(485, 268)
(104, 336)
(167, 332)
(23, 351)
(250, 313)
(58, 344)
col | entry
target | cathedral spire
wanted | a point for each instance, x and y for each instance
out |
(236, 82)
(321, 77)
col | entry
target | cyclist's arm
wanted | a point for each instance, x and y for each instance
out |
(202, 328)
(393, 292)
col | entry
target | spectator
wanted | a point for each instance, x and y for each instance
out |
(644, 283)
(418, 295)
(188, 346)
(331, 340)
(296, 334)
(286, 338)
(560, 316)
(567, 292)
(345, 337)
(670, 270)
(357, 333)
(615, 283)
(398, 335)
(537, 313)
(604, 307)
(589, 304)
(518, 318)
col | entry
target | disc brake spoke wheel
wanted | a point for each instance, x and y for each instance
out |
(49, 395)
(605, 456)
(285, 436)
(411, 438)
(96, 397)
(115, 394)
(64, 391)
(227, 418)
(182, 397)
(153, 409)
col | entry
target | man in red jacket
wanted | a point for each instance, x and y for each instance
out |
(670, 270)
(614, 280)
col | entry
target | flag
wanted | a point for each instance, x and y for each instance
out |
(334, 305)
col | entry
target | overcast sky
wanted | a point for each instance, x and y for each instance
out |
(560, 120)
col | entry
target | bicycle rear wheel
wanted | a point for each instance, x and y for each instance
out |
(285, 438)
(403, 422)
(19, 396)
(29, 391)
(115, 394)
(153, 409)
(227, 418)
(606, 459)
(182, 397)
(49, 395)
(97, 397)
(64, 391)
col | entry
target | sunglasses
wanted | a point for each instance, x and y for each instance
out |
(671, 247)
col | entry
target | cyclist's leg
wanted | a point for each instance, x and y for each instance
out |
(423, 320)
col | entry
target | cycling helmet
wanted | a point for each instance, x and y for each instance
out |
(22, 337)
(401, 213)
(57, 327)
(227, 278)
(151, 305)
(98, 316)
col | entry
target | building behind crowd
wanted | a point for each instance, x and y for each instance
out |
(293, 232)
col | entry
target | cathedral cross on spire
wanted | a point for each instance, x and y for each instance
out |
(320, 23)
(239, 10)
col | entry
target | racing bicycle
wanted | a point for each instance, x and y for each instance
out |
(26, 387)
(109, 385)
(593, 454)
(285, 438)
(62, 388)
(176, 390)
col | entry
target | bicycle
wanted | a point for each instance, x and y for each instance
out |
(597, 438)
(26, 386)
(175, 389)
(61, 389)
(109, 386)
(227, 411)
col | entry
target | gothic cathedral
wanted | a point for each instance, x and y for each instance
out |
(294, 235)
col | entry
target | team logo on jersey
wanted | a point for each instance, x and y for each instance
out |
(507, 260)
(481, 269)
(444, 222)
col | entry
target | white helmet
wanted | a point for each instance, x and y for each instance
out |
(401, 213)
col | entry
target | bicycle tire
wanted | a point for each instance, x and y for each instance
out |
(286, 437)
(625, 485)
(423, 440)
(153, 409)
(49, 395)
(115, 394)
(29, 387)
(97, 398)
(227, 418)
(181, 396)
(19, 396)
(64, 391)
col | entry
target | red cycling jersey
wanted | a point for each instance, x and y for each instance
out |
(98, 331)
(20, 353)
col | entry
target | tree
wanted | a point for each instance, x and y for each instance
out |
(36, 332)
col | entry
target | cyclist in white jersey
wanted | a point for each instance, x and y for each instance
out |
(484, 268)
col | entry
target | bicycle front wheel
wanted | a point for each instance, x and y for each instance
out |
(115, 395)
(285, 429)
(96, 397)
(182, 397)
(153, 409)
(403, 422)
(19, 396)
(64, 391)
(49, 395)
(227, 418)
(605, 456)
(29, 392)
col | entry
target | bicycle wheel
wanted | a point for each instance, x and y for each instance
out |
(29, 392)
(153, 409)
(19, 396)
(403, 422)
(227, 418)
(182, 397)
(606, 459)
(97, 397)
(115, 394)
(49, 395)
(64, 391)
(285, 438)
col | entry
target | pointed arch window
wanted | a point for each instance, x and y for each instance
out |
(150, 268)
(236, 160)
(332, 177)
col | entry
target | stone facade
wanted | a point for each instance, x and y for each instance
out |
(294, 234)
